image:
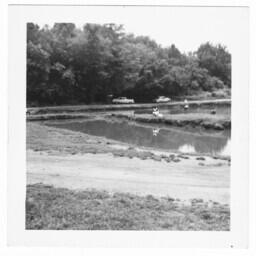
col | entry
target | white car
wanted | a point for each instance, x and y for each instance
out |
(122, 100)
(162, 99)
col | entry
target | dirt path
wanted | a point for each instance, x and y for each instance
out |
(184, 180)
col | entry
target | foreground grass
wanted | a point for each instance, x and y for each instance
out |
(58, 208)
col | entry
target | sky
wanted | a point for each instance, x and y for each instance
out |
(186, 27)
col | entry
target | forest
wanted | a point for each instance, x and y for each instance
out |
(67, 65)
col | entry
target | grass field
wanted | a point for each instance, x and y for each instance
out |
(58, 208)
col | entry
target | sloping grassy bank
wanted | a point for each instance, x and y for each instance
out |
(60, 116)
(58, 208)
(207, 121)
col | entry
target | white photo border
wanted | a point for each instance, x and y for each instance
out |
(17, 235)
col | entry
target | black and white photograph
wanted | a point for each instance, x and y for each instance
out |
(125, 133)
(133, 120)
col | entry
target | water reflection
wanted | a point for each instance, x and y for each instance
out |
(226, 151)
(166, 139)
(155, 131)
(187, 149)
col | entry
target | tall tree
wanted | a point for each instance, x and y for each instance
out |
(217, 60)
(69, 65)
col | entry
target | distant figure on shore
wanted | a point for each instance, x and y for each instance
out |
(157, 113)
(186, 106)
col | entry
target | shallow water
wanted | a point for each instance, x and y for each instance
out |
(157, 137)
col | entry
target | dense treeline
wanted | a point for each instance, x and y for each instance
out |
(69, 65)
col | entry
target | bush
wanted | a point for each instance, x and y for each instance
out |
(219, 94)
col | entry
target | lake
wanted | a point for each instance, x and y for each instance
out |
(153, 136)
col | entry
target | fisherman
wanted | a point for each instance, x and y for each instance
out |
(186, 106)
(157, 113)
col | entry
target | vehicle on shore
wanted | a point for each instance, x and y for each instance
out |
(122, 100)
(162, 99)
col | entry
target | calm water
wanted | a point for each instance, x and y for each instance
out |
(153, 137)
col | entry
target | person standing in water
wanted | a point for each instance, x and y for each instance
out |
(186, 106)
(156, 112)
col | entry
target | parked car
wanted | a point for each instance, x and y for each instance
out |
(162, 99)
(122, 100)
